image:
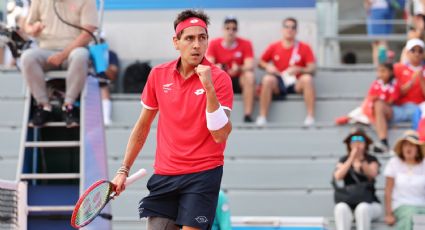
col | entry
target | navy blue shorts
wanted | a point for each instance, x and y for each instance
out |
(283, 89)
(189, 200)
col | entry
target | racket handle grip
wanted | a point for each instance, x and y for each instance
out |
(135, 176)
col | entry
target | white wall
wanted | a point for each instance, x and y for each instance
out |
(148, 34)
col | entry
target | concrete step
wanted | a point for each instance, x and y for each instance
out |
(12, 84)
(267, 143)
(12, 111)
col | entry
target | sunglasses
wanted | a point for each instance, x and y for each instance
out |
(290, 27)
(419, 51)
(357, 139)
(231, 28)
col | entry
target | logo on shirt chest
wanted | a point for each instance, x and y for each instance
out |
(167, 87)
(199, 92)
(238, 54)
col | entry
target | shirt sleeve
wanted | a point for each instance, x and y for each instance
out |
(148, 98)
(308, 55)
(249, 52)
(89, 14)
(267, 55)
(390, 168)
(396, 93)
(33, 14)
(374, 90)
(224, 91)
(113, 58)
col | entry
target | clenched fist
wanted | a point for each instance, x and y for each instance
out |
(204, 73)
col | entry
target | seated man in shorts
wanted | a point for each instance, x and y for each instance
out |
(235, 56)
(289, 66)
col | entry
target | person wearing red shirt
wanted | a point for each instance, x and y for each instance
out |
(194, 99)
(289, 66)
(235, 56)
(410, 77)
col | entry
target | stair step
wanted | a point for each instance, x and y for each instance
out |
(50, 208)
(50, 124)
(52, 176)
(52, 144)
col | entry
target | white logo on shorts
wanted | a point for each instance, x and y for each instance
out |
(201, 219)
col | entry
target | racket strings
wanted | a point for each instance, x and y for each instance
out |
(93, 203)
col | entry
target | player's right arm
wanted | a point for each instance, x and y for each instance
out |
(135, 143)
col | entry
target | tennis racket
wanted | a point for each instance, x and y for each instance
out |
(95, 198)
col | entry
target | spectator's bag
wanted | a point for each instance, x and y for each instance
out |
(136, 76)
(353, 194)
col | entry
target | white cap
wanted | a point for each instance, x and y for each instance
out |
(414, 42)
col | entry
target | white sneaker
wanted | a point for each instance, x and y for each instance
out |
(261, 121)
(309, 121)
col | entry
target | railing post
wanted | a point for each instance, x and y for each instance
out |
(327, 18)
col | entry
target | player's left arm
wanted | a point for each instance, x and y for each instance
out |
(309, 58)
(218, 118)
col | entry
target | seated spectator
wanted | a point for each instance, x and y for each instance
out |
(349, 58)
(112, 74)
(405, 182)
(60, 46)
(289, 66)
(235, 55)
(222, 220)
(357, 165)
(410, 78)
(384, 88)
(419, 16)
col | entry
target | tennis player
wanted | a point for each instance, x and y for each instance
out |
(194, 99)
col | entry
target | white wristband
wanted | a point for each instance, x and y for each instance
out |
(217, 119)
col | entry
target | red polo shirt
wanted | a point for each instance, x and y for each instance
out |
(184, 144)
(403, 74)
(241, 50)
(280, 56)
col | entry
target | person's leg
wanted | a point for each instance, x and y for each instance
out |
(247, 83)
(404, 217)
(106, 104)
(76, 74)
(383, 113)
(269, 86)
(305, 85)
(160, 223)
(34, 63)
(343, 216)
(365, 213)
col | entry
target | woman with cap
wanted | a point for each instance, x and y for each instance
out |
(405, 182)
(357, 165)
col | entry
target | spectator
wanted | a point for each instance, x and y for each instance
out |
(405, 182)
(222, 220)
(112, 74)
(412, 90)
(235, 55)
(384, 88)
(357, 165)
(60, 46)
(349, 58)
(378, 11)
(289, 66)
(419, 16)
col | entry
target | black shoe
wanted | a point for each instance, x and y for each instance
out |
(247, 118)
(40, 116)
(72, 116)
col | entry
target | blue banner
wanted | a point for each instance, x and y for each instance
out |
(205, 4)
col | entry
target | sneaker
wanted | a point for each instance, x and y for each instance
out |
(72, 116)
(342, 120)
(309, 121)
(380, 148)
(247, 119)
(40, 116)
(261, 121)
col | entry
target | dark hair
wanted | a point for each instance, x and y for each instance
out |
(230, 19)
(291, 19)
(418, 158)
(189, 14)
(349, 58)
(390, 67)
